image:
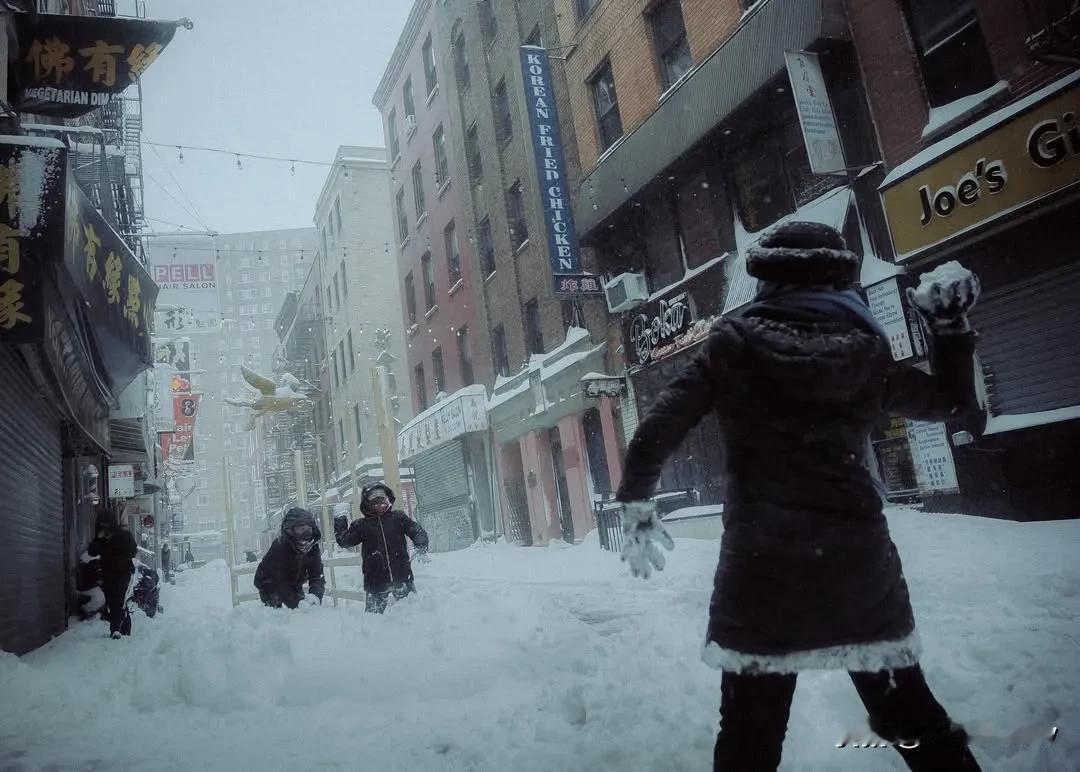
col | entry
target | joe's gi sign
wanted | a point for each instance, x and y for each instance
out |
(551, 175)
(651, 331)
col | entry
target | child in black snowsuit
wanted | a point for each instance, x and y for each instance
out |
(808, 576)
(116, 548)
(381, 535)
(293, 558)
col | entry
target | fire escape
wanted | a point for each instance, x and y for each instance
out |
(1054, 27)
(105, 145)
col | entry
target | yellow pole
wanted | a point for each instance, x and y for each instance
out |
(387, 435)
(230, 534)
(301, 483)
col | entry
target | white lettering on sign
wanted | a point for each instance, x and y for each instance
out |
(669, 322)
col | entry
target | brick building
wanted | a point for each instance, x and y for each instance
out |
(691, 147)
(973, 104)
(538, 463)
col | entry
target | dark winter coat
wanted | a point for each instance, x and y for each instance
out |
(282, 572)
(383, 550)
(808, 575)
(117, 548)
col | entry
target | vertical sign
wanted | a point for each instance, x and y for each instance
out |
(887, 308)
(933, 457)
(121, 481)
(815, 113)
(551, 176)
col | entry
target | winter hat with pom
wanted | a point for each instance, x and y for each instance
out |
(803, 253)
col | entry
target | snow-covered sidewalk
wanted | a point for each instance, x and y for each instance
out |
(539, 659)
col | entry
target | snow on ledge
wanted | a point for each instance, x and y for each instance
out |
(941, 117)
(690, 513)
(981, 126)
(47, 142)
(1000, 424)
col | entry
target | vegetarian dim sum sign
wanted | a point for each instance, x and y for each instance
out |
(1012, 160)
(70, 65)
(551, 175)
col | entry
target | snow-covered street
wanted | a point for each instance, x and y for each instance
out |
(539, 659)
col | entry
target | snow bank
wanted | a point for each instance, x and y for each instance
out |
(539, 659)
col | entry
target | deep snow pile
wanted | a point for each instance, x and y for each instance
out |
(538, 659)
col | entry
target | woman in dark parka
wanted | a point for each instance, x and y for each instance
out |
(808, 576)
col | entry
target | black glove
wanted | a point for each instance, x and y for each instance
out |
(274, 600)
(341, 523)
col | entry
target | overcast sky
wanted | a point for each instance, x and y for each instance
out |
(274, 77)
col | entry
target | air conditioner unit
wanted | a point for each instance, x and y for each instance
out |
(626, 291)
(410, 124)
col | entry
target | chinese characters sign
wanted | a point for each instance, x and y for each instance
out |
(118, 290)
(31, 192)
(121, 481)
(933, 457)
(70, 65)
(815, 113)
(551, 176)
(454, 417)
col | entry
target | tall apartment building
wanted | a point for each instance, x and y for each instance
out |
(361, 300)
(551, 454)
(253, 272)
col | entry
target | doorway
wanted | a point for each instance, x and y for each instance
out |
(566, 518)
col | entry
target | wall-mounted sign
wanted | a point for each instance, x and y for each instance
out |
(70, 65)
(121, 481)
(185, 408)
(1010, 161)
(185, 276)
(820, 135)
(887, 308)
(597, 386)
(932, 454)
(551, 175)
(655, 326)
(463, 412)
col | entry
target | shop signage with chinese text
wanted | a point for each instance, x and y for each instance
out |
(121, 481)
(119, 293)
(816, 118)
(551, 176)
(453, 417)
(932, 454)
(1008, 164)
(31, 200)
(70, 65)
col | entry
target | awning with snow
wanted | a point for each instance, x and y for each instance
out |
(715, 88)
(462, 412)
(832, 209)
(68, 66)
(118, 291)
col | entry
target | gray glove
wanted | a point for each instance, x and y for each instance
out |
(944, 297)
(641, 528)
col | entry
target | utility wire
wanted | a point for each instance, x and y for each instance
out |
(166, 191)
(180, 187)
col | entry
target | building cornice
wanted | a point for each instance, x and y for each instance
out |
(405, 44)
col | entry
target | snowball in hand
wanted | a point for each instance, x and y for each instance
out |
(950, 274)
